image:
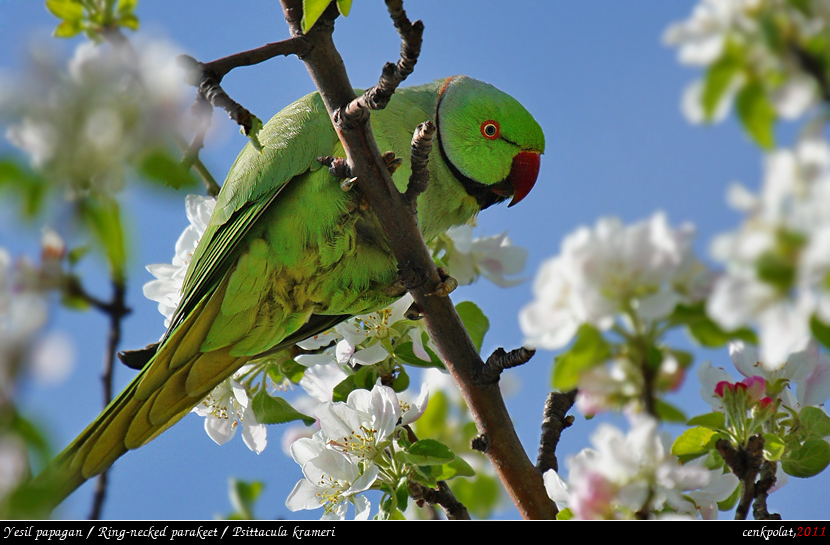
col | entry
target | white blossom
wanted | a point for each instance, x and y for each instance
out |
(81, 124)
(225, 408)
(736, 29)
(368, 339)
(701, 38)
(645, 269)
(493, 257)
(331, 479)
(776, 262)
(167, 288)
(340, 460)
(721, 486)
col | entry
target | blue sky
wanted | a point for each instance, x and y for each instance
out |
(596, 77)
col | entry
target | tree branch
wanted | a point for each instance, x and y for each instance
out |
(745, 463)
(554, 422)
(325, 66)
(443, 496)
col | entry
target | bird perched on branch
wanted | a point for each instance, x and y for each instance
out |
(288, 253)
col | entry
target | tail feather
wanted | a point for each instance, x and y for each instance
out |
(174, 381)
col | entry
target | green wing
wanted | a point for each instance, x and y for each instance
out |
(291, 143)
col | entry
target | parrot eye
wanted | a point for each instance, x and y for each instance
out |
(490, 129)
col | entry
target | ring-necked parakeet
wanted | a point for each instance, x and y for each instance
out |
(288, 253)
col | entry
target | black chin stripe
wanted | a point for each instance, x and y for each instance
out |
(482, 193)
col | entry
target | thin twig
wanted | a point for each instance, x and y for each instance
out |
(745, 463)
(116, 310)
(765, 482)
(500, 360)
(442, 496)
(209, 89)
(555, 420)
(207, 77)
(392, 75)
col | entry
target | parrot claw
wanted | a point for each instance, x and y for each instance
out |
(447, 284)
(347, 184)
(392, 162)
(414, 312)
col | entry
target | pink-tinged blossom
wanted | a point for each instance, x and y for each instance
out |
(626, 473)
(807, 369)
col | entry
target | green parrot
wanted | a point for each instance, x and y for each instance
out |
(288, 253)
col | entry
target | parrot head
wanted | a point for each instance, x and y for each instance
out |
(489, 140)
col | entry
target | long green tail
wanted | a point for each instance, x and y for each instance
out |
(174, 381)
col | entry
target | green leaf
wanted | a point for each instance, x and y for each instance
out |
(275, 410)
(127, 6)
(457, 468)
(589, 349)
(103, 218)
(366, 377)
(66, 10)
(820, 330)
(815, 423)
(31, 187)
(717, 81)
(669, 413)
(434, 420)
(343, 389)
(68, 29)
(344, 7)
(729, 503)
(704, 330)
(474, 321)
(426, 452)
(243, 496)
(756, 113)
(714, 420)
(776, 269)
(480, 495)
(159, 166)
(34, 437)
(401, 382)
(810, 459)
(773, 447)
(312, 10)
(405, 353)
(128, 20)
(74, 256)
(693, 443)
(565, 514)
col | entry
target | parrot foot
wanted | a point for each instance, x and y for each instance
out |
(395, 289)
(392, 162)
(447, 284)
(338, 166)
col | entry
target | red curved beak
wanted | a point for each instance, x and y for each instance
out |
(523, 174)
